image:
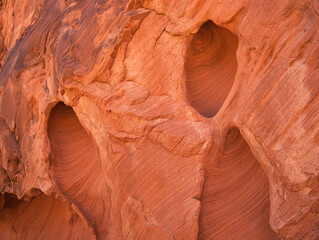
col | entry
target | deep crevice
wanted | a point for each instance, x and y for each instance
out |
(235, 198)
(76, 166)
(210, 68)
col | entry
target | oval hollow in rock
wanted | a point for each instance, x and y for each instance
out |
(235, 197)
(210, 68)
(76, 166)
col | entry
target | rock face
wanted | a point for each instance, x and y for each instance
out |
(159, 119)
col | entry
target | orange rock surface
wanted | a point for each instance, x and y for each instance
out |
(159, 119)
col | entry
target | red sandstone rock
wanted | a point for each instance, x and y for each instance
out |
(159, 119)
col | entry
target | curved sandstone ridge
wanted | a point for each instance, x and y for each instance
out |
(76, 166)
(210, 67)
(41, 218)
(235, 201)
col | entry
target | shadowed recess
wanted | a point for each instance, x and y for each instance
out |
(235, 198)
(76, 166)
(210, 68)
(41, 218)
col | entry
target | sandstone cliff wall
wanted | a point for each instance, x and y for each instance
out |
(159, 119)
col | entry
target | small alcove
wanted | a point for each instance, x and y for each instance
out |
(235, 198)
(210, 68)
(76, 167)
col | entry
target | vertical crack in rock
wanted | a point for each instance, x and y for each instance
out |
(210, 68)
(235, 198)
(41, 218)
(76, 167)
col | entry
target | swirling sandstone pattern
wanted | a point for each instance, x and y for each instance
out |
(235, 198)
(211, 66)
(115, 119)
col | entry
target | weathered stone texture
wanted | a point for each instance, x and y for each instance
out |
(159, 119)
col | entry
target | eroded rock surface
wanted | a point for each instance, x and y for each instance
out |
(159, 119)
